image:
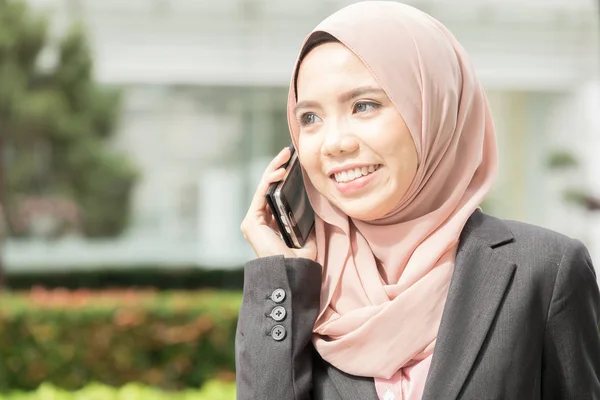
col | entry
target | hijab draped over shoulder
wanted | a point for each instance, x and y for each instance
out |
(385, 282)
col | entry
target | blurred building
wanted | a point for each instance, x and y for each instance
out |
(206, 84)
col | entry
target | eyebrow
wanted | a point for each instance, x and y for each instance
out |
(343, 98)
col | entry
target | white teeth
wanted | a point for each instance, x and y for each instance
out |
(350, 175)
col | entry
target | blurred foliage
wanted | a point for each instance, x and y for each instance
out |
(560, 159)
(56, 122)
(161, 277)
(213, 390)
(171, 340)
(582, 198)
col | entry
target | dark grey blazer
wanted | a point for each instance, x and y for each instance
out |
(521, 322)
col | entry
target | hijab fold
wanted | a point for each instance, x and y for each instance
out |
(385, 282)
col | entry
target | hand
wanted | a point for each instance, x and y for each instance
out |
(259, 226)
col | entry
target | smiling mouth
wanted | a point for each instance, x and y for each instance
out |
(354, 174)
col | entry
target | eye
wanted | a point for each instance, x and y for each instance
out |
(365, 106)
(308, 118)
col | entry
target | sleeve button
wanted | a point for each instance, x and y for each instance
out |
(278, 295)
(278, 332)
(278, 313)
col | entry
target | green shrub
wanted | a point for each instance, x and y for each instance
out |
(213, 390)
(165, 277)
(171, 340)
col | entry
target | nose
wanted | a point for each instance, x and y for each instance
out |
(339, 140)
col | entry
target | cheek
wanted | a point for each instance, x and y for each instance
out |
(404, 158)
(405, 168)
(396, 143)
(397, 150)
(309, 157)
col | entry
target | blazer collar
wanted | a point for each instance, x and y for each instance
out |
(486, 228)
(478, 285)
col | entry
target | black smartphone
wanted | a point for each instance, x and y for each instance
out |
(290, 206)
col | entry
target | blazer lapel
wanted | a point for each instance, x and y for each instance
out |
(479, 282)
(478, 285)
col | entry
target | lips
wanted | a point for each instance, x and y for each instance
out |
(358, 184)
(352, 174)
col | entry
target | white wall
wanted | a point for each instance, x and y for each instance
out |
(188, 68)
(582, 115)
(535, 45)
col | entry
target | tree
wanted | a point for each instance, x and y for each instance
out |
(561, 159)
(60, 172)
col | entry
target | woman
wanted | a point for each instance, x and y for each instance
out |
(406, 289)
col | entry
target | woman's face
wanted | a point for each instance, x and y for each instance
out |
(353, 143)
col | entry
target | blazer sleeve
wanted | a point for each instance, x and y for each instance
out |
(571, 358)
(273, 349)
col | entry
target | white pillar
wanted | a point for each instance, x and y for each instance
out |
(219, 217)
(590, 95)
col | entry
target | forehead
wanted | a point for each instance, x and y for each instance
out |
(332, 65)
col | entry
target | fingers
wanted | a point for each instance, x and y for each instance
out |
(279, 160)
(272, 223)
(273, 173)
(258, 211)
(259, 201)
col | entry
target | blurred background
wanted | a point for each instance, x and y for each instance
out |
(133, 134)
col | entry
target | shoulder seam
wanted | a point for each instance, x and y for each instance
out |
(562, 259)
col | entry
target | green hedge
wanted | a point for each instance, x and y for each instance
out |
(172, 340)
(159, 277)
(213, 390)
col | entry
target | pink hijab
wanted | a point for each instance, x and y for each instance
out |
(385, 282)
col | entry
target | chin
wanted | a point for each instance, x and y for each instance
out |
(371, 206)
(362, 212)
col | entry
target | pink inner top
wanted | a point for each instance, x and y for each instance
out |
(406, 384)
